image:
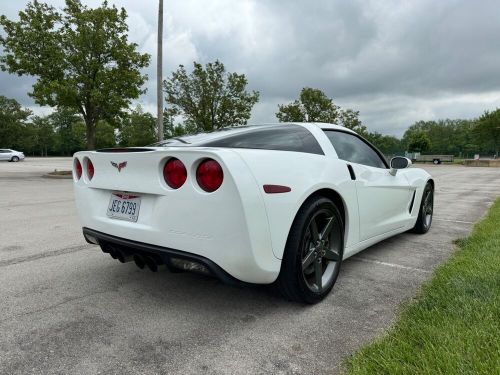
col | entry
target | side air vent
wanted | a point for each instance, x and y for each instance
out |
(125, 149)
(412, 201)
(351, 172)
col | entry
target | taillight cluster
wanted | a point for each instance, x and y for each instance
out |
(175, 173)
(209, 174)
(77, 166)
(78, 169)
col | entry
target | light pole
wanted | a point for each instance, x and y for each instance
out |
(159, 74)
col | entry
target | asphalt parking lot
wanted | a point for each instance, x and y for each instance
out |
(65, 307)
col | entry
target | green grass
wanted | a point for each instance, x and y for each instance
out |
(453, 325)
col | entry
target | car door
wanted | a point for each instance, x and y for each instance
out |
(383, 199)
(4, 155)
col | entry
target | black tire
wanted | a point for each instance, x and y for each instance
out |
(312, 252)
(425, 212)
(436, 161)
(15, 159)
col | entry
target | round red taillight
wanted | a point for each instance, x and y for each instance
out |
(174, 173)
(78, 169)
(209, 175)
(90, 169)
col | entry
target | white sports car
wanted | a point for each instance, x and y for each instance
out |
(281, 203)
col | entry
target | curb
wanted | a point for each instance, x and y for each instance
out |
(58, 176)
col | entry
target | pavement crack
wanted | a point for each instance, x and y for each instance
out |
(54, 306)
(54, 253)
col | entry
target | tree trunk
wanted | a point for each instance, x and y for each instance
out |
(159, 74)
(91, 134)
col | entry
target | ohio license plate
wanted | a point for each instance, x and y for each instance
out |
(124, 206)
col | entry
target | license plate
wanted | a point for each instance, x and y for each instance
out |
(124, 207)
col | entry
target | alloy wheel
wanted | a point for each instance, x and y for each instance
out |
(428, 207)
(321, 250)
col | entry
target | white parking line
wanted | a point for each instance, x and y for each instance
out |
(366, 260)
(454, 221)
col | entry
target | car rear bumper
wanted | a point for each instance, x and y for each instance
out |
(167, 254)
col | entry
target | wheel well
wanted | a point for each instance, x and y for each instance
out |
(431, 181)
(335, 198)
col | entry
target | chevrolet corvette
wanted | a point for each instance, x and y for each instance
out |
(280, 204)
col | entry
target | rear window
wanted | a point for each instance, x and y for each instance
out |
(279, 137)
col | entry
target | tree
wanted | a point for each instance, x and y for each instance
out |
(138, 129)
(12, 122)
(81, 58)
(68, 140)
(446, 136)
(43, 135)
(171, 128)
(314, 106)
(210, 98)
(105, 135)
(419, 142)
(387, 144)
(350, 119)
(487, 131)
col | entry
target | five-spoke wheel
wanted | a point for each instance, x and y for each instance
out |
(424, 219)
(313, 252)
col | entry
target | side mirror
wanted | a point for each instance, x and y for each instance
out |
(399, 162)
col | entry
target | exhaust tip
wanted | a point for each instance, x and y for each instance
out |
(91, 239)
(151, 263)
(123, 256)
(139, 261)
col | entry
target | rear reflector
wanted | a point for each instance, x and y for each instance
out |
(276, 189)
(90, 169)
(78, 169)
(174, 173)
(209, 175)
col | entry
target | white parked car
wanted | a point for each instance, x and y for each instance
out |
(11, 155)
(282, 203)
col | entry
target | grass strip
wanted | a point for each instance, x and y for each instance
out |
(453, 324)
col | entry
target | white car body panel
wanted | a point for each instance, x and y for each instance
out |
(240, 227)
(8, 154)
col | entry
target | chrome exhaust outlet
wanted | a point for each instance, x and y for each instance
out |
(190, 266)
(123, 256)
(139, 261)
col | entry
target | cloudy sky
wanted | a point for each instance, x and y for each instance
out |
(395, 61)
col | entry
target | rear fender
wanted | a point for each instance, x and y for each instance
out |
(305, 174)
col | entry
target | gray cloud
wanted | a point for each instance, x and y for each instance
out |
(395, 61)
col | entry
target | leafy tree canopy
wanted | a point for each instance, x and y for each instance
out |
(80, 57)
(454, 137)
(419, 142)
(12, 121)
(209, 98)
(387, 144)
(138, 128)
(487, 130)
(314, 106)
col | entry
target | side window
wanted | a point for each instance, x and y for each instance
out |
(280, 137)
(351, 148)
